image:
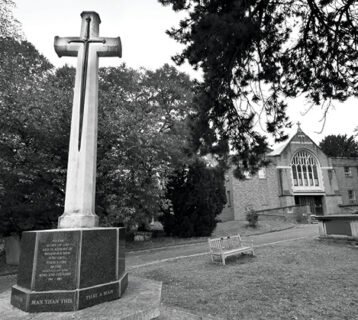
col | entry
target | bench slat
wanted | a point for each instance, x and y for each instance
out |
(230, 245)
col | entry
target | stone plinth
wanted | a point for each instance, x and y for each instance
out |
(68, 270)
(338, 226)
(141, 301)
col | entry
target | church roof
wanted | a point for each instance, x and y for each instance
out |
(278, 150)
(281, 148)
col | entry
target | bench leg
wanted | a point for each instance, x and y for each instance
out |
(212, 258)
(223, 259)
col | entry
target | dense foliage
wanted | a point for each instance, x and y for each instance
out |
(252, 218)
(142, 137)
(30, 168)
(339, 146)
(255, 54)
(9, 26)
(197, 195)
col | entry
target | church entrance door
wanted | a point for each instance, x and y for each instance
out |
(315, 203)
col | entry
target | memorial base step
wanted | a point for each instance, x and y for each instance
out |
(70, 269)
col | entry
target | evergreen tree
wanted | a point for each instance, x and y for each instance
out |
(197, 195)
(255, 54)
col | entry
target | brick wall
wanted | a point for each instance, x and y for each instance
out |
(346, 182)
(257, 193)
(276, 189)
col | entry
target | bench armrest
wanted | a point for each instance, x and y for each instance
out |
(215, 246)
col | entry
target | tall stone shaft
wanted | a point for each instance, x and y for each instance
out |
(81, 170)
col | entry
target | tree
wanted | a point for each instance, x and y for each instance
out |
(339, 146)
(142, 138)
(9, 26)
(30, 193)
(197, 195)
(255, 54)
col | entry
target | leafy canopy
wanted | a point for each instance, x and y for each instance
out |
(142, 134)
(339, 146)
(30, 193)
(9, 25)
(255, 54)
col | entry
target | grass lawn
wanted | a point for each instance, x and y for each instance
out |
(306, 279)
(265, 224)
(226, 228)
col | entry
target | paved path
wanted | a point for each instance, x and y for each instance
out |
(153, 256)
(140, 258)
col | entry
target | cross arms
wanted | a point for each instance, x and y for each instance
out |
(105, 47)
(111, 48)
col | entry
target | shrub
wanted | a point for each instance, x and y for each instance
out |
(197, 196)
(252, 217)
(301, 217)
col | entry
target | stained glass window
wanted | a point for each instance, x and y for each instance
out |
(304, 170)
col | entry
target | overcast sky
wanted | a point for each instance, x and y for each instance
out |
(141, 24)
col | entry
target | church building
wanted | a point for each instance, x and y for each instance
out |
(299, 175)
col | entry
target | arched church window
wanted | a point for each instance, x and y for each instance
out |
(304, 170)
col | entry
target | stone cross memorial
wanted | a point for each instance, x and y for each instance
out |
(81, 171)
(79, 264)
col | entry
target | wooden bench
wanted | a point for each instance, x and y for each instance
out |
(228, 246)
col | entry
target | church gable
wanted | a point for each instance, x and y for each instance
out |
(298, 142)
(301, 138)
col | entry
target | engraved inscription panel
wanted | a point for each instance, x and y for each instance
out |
(98, 294)
(52, 302)
(56, 261)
